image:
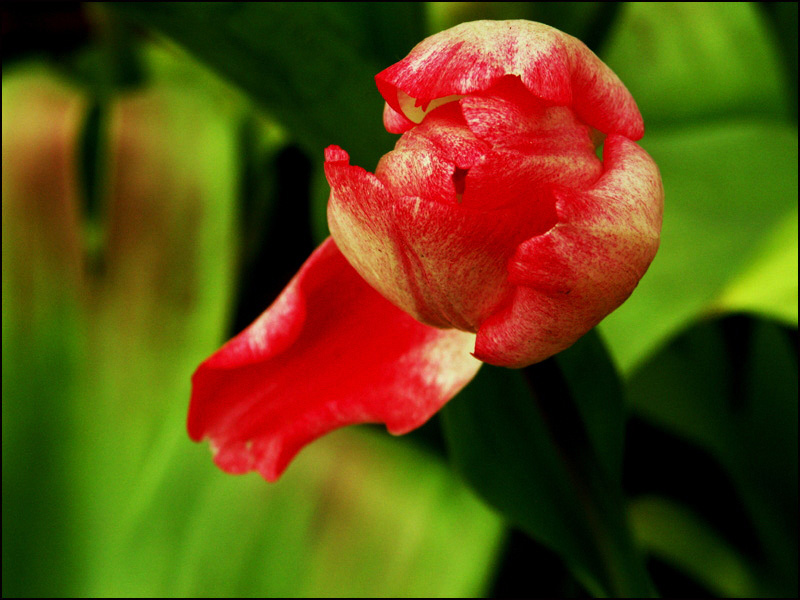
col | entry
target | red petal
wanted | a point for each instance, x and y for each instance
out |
(418, 170)
(336, 154)
(329, 352)
(599, 98)
(473, 57)
(360, 220)
(537, 143)
(534, 145)
(395, 122)
(445, 133)
(456, 257)
(571, 277)
(444, 263)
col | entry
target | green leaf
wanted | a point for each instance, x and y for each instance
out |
(158, 306)
(727, 186)
(783, 17)
(673, 533)
(536, 448)
(305, 67)
(357, 515)
(696, 62)
(41, 333)
(99, 358)
(738, 400)
(384, 31)
(727, 154)
(768, 284)
(588, 21)
(596, 389)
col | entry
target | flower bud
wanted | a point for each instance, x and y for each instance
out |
(494, 214)
(492, 230)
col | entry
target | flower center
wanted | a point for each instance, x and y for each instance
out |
(416, 108)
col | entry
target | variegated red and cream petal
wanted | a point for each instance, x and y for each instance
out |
(447, 134)
(360, 220)
(456, 257)
(443, 262)
(571, 277)
(472, 57)
(543, 143)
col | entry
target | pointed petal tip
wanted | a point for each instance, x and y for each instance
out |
(334, 153)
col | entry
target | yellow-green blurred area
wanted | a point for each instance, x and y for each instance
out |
(162, 182)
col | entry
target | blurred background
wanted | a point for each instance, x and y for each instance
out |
(162, 182)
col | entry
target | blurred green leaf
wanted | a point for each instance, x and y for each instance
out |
(383, 31)
(588, 21)
(357, 515)
(260, 142)
(95, 360)
(727, 186)
(303, 65)
(677, 536)
(740, 403)
(595, 387)
(540, 452)
(443, 15)
(393, 514)
(695, 62)
(170, 252)
(783, 17)
(158, 306)
(42, 337)
(708, 82)
(767, 285)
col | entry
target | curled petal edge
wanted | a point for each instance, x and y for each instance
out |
(329, 352)
(473, 57)
(588, 264)
(395, 122)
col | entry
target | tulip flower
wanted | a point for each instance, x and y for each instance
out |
(492, 232)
